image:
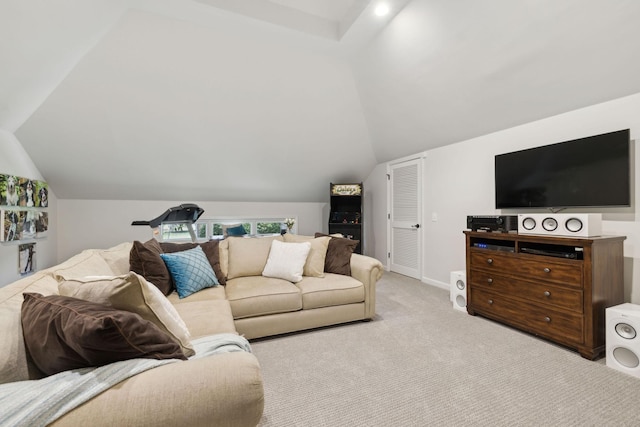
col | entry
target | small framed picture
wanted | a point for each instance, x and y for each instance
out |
(9, 190)
(11, 223)
(26, 258)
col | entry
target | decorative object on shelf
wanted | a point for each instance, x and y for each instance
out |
(345, 216)
(289, 222)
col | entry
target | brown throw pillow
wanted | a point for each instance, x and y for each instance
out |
(145, 260)
(63, 333)
(210, 248)
(338, 259)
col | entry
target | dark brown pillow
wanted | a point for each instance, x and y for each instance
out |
(338, 259)
(210, 249)
(145, 260)
(63, 333)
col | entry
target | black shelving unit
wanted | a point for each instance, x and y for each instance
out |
(345, 216)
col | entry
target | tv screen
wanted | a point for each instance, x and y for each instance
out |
(587, 172)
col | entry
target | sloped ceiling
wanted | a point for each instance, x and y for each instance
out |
(231, 100)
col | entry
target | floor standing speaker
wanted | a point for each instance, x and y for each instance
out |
(458, 294)
(623, 338)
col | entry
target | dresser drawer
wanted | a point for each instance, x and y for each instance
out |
(566, 272)
(557, 325)
(542, 293)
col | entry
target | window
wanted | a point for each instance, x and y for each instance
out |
(211, 228)
(269, 227)
(175, 232)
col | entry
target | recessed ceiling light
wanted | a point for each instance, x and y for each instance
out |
(382, 9)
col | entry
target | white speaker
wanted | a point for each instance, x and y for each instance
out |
(574, 225)
(458, 293)
(623, 338)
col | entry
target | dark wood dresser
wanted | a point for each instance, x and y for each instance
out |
(553, 287)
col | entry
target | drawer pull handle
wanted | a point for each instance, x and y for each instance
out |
(547, 270)
(547, 293)
(490, 301)
(489, 261)
(489, 280)
(547, 319)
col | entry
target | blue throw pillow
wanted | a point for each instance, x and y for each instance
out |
(190, 270)
(236, 231)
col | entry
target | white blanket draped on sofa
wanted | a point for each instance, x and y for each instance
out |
(41, 402)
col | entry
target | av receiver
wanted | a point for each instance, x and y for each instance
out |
(500, 223)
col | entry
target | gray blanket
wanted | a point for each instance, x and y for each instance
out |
(41, 402)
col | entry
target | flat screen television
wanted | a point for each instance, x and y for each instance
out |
(585, 172)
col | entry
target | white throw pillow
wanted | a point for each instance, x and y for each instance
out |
(314, 267)
(286, 260)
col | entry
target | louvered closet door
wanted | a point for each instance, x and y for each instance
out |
(406, 193)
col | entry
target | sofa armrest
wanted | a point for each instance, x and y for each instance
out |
(367, 270)
(222, 390)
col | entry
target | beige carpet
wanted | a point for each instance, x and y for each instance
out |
(421, 363)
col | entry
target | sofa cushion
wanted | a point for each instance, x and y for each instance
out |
(248, 255)
(206, 317)
(223, 250)
(238, 230)
(14, 363)
(208, 294)
(333, 289)
(117, 258)
(84, 264)
(63, 333)
(190, 271)
(256, 296)
(286, 260)
(339, 252)
(145, 260)
(131, 292)
(226, 227)
(314, 266)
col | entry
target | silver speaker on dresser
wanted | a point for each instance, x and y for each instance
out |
(573, 225)
(458, 293)
(623, 338)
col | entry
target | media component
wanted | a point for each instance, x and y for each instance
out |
(574, 225)
(622, 338)
(500, 223)
(458, 293)
(586, 172)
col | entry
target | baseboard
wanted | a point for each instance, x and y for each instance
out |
(437, 283)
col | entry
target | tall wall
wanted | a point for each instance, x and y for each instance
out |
(459, 181)
(15, 161)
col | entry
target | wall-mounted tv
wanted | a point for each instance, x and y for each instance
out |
(586, 172)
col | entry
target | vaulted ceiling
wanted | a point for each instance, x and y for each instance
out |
(273, 99)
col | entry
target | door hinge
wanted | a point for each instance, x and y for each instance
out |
(388, 177)
(389, 255)
(388, 216)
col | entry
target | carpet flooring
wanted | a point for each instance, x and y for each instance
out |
(422, 363)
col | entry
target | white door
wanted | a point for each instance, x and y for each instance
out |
(405, 234)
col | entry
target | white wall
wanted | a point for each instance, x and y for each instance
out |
(459, 181)
(85, 224)
(375, 213)
(15, 161)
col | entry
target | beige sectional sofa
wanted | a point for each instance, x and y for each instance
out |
(220, 390)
